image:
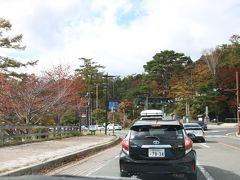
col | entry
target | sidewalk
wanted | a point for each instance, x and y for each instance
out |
(26, 157)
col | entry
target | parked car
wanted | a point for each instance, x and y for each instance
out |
(158, 147)
(100, 127)
(195, 130)
(116, 127)
(84, 128)
(203, 125)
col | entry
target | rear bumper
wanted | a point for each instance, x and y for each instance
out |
(185, 165)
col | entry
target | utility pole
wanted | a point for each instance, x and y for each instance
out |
(106, 106)
(97, 96)
(187, 111)
(237, 94)
(113, 117)
(237, 100)
(124, 115)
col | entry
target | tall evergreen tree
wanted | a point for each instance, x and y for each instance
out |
(8, 64)
(163, 65)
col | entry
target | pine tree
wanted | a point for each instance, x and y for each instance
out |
(7, 64)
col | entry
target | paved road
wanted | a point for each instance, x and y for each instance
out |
(217, 159)
(219, 155)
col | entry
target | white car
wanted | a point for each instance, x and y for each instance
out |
(84, 128)
(100, 127)
(195, 130)
(116, 127)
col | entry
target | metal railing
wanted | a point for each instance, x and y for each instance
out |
(17, 134)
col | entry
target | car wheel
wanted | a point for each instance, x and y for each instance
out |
(203, 140)
(125, 174)
(192, 176)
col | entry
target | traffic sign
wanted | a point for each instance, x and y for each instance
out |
(113, 105)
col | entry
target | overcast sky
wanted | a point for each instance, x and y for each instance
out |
(119, 34)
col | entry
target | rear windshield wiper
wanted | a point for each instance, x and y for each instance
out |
(193, 128)
(153, 137)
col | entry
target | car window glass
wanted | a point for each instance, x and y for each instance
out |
(166, 131)
(192, 127)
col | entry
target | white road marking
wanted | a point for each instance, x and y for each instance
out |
(228, 134)
(204, 172)
(96, 169)
(215, 136)
(216, 131)
(100, 166)
(205, 145)
(232, 135)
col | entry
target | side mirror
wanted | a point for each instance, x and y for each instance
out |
(191, 136)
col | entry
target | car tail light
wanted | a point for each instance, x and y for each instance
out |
(188, 145)
(156, 126)
(125, 145)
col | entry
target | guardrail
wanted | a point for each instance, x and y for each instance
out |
(23, 133)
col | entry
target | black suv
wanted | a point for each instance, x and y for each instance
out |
(158, 147)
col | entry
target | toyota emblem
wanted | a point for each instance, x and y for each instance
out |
(156, 142)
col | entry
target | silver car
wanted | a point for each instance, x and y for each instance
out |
(195, 131)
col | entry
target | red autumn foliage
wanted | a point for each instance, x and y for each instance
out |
(29, 99)
(226, 77)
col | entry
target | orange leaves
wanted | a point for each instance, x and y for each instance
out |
(125, 105)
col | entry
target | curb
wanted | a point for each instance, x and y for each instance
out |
(35, 169)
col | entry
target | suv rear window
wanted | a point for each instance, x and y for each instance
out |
(161, 132)
(193, 127)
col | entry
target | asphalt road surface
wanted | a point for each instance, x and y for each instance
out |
(218, 159)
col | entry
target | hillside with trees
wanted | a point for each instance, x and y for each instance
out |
(57, 97)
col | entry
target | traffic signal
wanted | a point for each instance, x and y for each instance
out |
(221, 90)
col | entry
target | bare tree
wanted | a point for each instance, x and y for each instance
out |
(212, 58)
(34, 96)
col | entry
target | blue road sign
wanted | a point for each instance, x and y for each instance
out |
(113, 105)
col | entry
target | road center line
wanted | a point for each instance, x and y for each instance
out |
(230, 146)
(205, 145)
(205, 173)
